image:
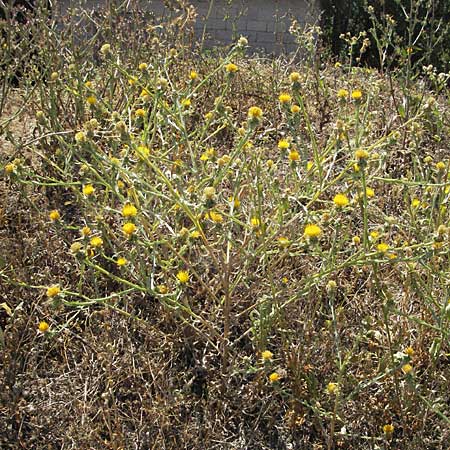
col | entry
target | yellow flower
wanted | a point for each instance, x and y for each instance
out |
(129, 228)
(274, 377)
(294, 77)
(194, 234)
(76, 247)
(284, 241)
(143, 67)
(270, 163)
(105, 49)
(186, 102)
(96, 242)
(88, 189)
(361, 154)
(43, 327)
(342, 93)
(266, 355)
(193, 75)
(388, 429)
(9, 168)
(294, 155)
(440, 166)
(382, 247)
(231, 68)
(370, 192)
(54, 215)
(139, 112)
(132, 81)
(407, 368)
(209, 192)
(255, 222)
(216, 217)
(91, 100)
(295, 109)
(183, 276)
(356, 94)
(332, 388)
(415, 203)
(80, 137)
(53, 291)
(129, 210)
(283, 144)
(409, 351)
(162, 289)
(88, 84)
(374, 234)
(121, 261)
(284, 98)
(85, 231)
(312, 231)
(340, 200)
(356, 240)
(255, 113)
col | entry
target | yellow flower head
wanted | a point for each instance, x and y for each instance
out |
(342, 93)
(88, 189)
(255, 222)
(370, 192)
(312, 231)
(409, 351)
(193, 75)
(183, 276)
(186, 102)
(440, 166)
(356, 240)
(295, 109)
(54, 76)
(143, 67)
(266, 355)
(356, 94)
(388, 429)
(54, 215)
(216, 217)
(284, 242)
(80, 137)
(274, 377)
(139, 112)
(294, 155)
(340, 200)
(105, 49)
(96, 242)
(76, 247)
(209, 192)
(53, 291)
(43, 327)
(283, 144)
(284, 98)
(162, 289)
(361, 155)
(129, 210)
(382, 247)
(85, 231)
(407, 368)
(294, 77)
(255, 113)
(91, 100)
(121, 261)
(332, 388)
(129, 228)
(231, 68)
(9, 168)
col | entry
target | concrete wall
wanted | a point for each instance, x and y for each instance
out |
(264, 22)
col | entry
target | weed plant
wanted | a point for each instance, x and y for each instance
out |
(219, 251)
